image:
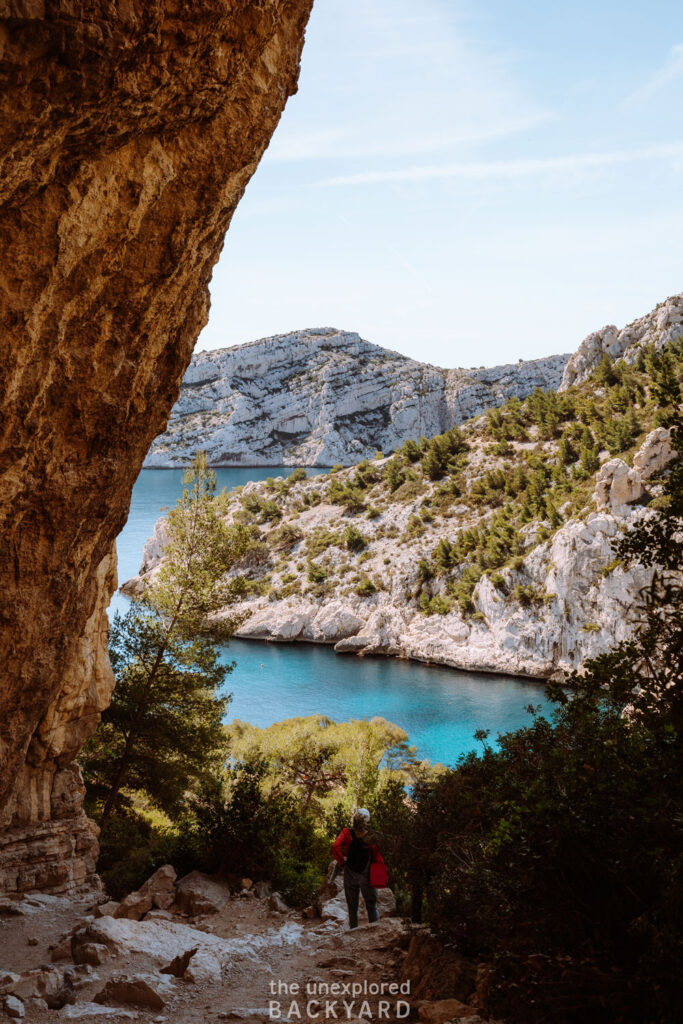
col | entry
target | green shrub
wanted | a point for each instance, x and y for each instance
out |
(414, 528)
(354, 539)
(526, 594)
(410, 489)
(347, 494)
(284, 537)
(365, 588)
(394, 473)
(436, 605)
(319, 540)
(315, 573)
(265, 508)
(440, 455)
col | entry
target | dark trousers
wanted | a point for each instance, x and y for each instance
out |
(355, 883)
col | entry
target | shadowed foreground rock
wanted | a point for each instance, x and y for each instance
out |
(129, 134)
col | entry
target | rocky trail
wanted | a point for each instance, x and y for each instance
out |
(194, 951)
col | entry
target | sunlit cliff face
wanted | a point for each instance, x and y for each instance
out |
(129, 134)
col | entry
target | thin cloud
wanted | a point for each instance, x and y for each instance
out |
(341, 145)
(669, 72)
(526, 168)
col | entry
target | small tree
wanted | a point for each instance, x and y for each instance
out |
(163, 729)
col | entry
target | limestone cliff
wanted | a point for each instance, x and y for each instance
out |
(130, 131)
(658, 328)
(321, 397)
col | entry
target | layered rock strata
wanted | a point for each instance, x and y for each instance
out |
(320, 397)
(129, 134)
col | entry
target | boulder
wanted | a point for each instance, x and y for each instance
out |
(107, 909)
(335, 910)
(48, 983)
(36, 1006)
(161, 887)
(7, 980)
(654, 454)
(277, 903)
(62, 950)
(198, 894)
(162, 941)
(387, 933)
(443, 1010)
(93, 953)
(616, 486)
(158, 915)
(179, 964)
(263, 889)
(11, 908)
(14, 1007)
(146, 990)
(134, 906)
(386, 902)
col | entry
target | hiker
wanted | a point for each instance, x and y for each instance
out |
(355, 850)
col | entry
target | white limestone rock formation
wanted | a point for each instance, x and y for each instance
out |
(321, 396)
(618, 485)
(580, 612)
(565, 601)
(660, 327)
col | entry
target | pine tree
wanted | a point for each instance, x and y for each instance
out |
(394, 473)
(163, 729)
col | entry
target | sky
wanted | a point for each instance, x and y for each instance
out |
(469, 182)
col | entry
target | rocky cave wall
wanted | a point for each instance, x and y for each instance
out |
(130, 129)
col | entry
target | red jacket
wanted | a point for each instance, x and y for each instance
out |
(341, 845)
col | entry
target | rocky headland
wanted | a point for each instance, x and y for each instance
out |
(486, 549)
(322, 396)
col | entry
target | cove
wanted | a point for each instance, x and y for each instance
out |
(440, 708)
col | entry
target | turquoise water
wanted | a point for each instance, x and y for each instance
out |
(440, 708)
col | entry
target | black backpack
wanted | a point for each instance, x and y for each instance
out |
(358, 857)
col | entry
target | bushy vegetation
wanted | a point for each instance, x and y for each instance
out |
(283, 486)
(558, 858)
(319, 540)
(354, 540)
(272, 807)
(264, 509)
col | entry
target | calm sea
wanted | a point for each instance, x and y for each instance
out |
(440, 708)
